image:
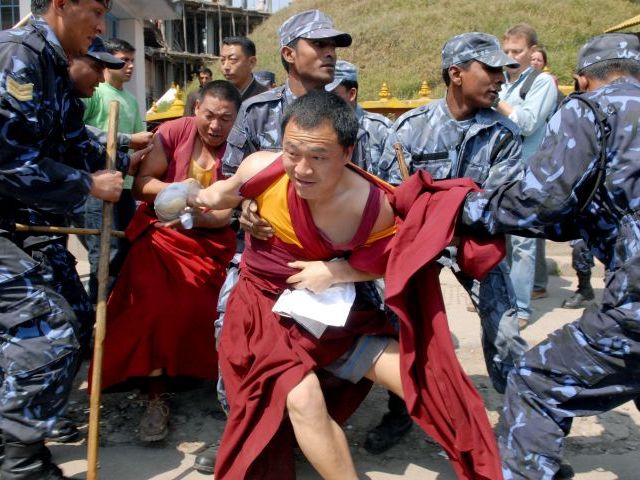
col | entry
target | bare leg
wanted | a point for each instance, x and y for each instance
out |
(321, 439)
(386, 370)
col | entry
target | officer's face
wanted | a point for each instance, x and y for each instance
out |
(479, 84)
(79, 24)
(235, 65)
(313, 159)
(214, 119)
(85, 73)
(313, 61)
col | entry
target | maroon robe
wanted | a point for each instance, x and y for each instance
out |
(162, 308)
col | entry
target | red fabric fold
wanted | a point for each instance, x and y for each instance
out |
(439, 395)
(163, 305)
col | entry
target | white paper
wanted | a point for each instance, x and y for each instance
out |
(317, 311)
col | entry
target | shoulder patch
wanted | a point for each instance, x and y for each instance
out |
(23, 92)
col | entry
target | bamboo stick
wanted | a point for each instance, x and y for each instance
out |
(101, 307)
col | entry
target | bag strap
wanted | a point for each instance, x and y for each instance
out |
(528, 82)
(602, 124)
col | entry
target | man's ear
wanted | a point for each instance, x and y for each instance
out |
(353, 94)
(583, 83)
(288, 54)
(253, 60)
(348, 153)
(58, 4)
(455, 75)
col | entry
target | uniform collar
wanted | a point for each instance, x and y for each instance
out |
(43, 28)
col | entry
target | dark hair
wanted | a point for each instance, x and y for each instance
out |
(41, 6)
(318, 106)
(222, 90)
(463, 66)
(114, 45)
(523, 30)
(248, 47)
(292, 44)
(540, 49)
(604, 69)
(203, 69)
(349, 84)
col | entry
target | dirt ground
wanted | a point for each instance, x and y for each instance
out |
(599, 448)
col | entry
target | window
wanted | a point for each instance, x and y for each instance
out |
(9, 13)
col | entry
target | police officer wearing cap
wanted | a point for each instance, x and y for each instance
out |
(583, 183)
(308, 44)
(45, 163)
(462, 136)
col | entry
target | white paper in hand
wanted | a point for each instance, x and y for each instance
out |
(317, 311)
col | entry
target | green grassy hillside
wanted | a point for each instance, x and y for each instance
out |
(399, 41)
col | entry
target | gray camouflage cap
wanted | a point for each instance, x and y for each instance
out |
(343, 71)
(478, 46)
(312, 24)
(608, 46)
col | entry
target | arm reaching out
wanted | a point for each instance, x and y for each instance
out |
(226, 193)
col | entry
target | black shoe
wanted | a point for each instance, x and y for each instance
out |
(63, 431)
(564, 472)
(389, 432)
(205, 462)
(580, 299)
(28, 461)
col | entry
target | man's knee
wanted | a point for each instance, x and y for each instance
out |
(306, 400)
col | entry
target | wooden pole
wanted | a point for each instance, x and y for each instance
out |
(23, 21)
(65, 230)
(101, 307)
(404, 170)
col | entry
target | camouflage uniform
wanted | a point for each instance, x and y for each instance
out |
(41, 122)
(377, 127)
(487, 149)
(593, 364)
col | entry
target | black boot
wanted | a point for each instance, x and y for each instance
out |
(584, 296)
(28, 461)
(564, 472)
(206, 460)
(394, 425)
(63, 431)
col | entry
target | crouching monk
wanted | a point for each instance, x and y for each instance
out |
(321, 208)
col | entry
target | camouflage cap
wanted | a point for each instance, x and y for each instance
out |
(265, 77)
(311, 24)
(608, 46)
(98, 52)
(478, 46)
(343, 71)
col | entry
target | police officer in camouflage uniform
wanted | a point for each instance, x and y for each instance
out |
(308, 44)
(44, 162)
(591, 151)
(376, 126)
(461, 136)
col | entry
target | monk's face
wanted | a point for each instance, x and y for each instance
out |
(214, 119)
(314, 160)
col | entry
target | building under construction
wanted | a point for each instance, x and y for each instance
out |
(174, 49)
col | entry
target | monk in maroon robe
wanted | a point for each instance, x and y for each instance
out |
(162, 308)
(281, 380)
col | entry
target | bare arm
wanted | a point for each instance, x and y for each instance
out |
(226, 193)
(147, 184)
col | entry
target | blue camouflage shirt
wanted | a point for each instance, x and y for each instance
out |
(560, 177)
(486, 147)
(45, 152)
(377, 127)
